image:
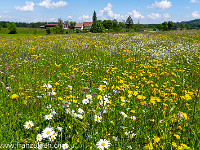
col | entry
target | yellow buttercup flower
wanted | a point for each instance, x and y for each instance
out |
(14, 96)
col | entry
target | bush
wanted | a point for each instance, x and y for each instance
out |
(97, 27)
(78, 31)
(84, 30)
(12, 28)
(48, 30)
(35, 31)
(67, 31)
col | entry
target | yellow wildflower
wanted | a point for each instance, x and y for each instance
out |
(148, 147)
(14, 96)
(156, 139)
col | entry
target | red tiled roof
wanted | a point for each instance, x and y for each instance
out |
(87, 24)
(50, 25)
(78, 25)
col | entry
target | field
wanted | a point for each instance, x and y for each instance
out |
(21, 30)
(101, 91)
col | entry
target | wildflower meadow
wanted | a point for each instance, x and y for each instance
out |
(101, 91)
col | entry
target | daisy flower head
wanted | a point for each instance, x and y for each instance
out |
(52, 138)
(47, 132)
(59, 128)
(75, 114)
(39, 137)
(28, 124)
(132, 135)
(49, 106)
(125, 115)
(97, 118)
(80, 110)
(53, 92)
(54, 133)
(48, 117)
(68, 110)
(40, 146)
(103, 143)
(133, 117)
(105, 82)
(80, 116)
(48, 86)
(53, 112)
(85, 101)
(114, 138)
(89, 96)
(65, 146)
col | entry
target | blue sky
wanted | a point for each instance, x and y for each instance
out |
(146, 11)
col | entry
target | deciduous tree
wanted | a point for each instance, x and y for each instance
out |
(12, 28)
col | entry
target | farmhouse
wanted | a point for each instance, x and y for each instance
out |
(87, 25)
(78, 26)
(49, 26)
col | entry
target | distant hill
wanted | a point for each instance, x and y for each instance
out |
(192, 24)
(196, 21)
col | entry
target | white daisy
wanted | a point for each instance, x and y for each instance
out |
(49, 106)
(133, 117)
(65, 146)
(125, 115)
(130, 147)
(68, 110)
(28, 124)
(48, 117)
(53, 92)
(114, 138)
(132, 135)
(47, 132)
(80, 116)
(89, 97)
(40, 146)
(75, 114)
(54, 133)
(97, 118)
(105, 82)
(85, 101)
(80, 110)
(53, 112)
(59, 128)
(52, 138)
(123, 104)
(103, 143)
(39, 137)
(48, 86)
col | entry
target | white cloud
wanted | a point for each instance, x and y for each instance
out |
(52, 19)
(166, 16)
(196, 14)
(49, 4)
(155, 16)
(28, 7)
(85, 18)
(194, 1)
(161, 5)
(135, 14)
(108, 13)
(69, 17)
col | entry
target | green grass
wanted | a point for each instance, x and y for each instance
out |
(144, 86)
(21, 30)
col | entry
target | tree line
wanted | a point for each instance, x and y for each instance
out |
(105, 25)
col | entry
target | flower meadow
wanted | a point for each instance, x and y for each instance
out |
(101, 91)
